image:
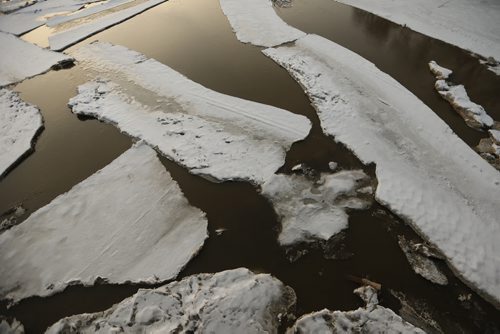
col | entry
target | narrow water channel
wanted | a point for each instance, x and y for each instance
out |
(195, 39)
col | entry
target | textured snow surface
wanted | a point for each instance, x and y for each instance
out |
(469, 24)
(233, 301)
(20, 60)
(256, 22)
(53, 21)
(311, 210)
(474, 114)
(19, 123)
(11, 327)
(369, 319)
(129, 222)
(12, 5)
(425, 173)
(31, 17)
(73, 35)
(212, 134)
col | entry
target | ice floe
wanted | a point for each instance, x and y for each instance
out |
(59, 19)
(20, 60)
(312, 210)
(489, 148)
(425, 173)
(372, 318)
(10, 327)
(66, 38)
(255, 22)
(129, 222)
(233, 301)
(212, 134)
(470, 25)
(19, 124)
(474, 115)
(13, 5)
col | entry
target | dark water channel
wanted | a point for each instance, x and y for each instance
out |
(194, 38)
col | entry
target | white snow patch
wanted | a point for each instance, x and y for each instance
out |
(439, 71)
(233, 301)
(19, 123)
(66, 38)
(314, 210)
(256, 22)
(129, 222)
(425, 173)
(20, 60)
(372, 318)
(53, 21)
(212, 134)
(471, 25)
(495, 135)
(14, 327)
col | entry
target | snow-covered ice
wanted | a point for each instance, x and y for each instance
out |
(212, 134)
(20, 60)
(255, 22)
(372, 318)
(425, 173)
(129, 222)
(13, 5)
(233, 301)
(66, 38)
(10, 327)
(468, 24)
(474, 115)
(56, 20)
(19, 124)
(314, 210)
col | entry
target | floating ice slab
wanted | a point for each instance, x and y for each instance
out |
(212, 134)
(311, 210)
(20, 60)
(233, 301)
(13, 5)
(129, 222)
(73, 35)
(255, 22)
(425, 173)
(372, 318)
(471, 25)
(19, 124)
(439, 71)
(54, 21)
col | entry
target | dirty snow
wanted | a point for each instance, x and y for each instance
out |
(425, 173)
(129, 222)
(66, 38)
(468, 24)
(314, 210)
(255, 22)
(233, 301)
(212, 134)
(10, 327)
(474, 115)
(372, 318)
(20, 60)
(19, 124)
(53, 21)
(489, 148)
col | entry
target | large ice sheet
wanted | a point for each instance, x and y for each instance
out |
(372, 318)
(66, 38)
(212, 134)
(255, 22)
(20, 60)
(425, 173)
(469, 24)
(19, 124)
(129, 222)
(54, 21)
(233, 301)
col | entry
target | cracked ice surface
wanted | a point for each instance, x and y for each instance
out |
(425, 173)
(232, 301)
(214, 135)
(314, 210)
(263, 27)
(19, 123)
(129, 222)
(372, 318)
(20, 60)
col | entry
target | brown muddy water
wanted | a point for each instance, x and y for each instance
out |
(194, 38)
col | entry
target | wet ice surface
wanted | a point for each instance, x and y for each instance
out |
(211, 134)
(20, 60)
(372, 318)
(19, 124)
(129, 222)
(311, 210)
(233, 301)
